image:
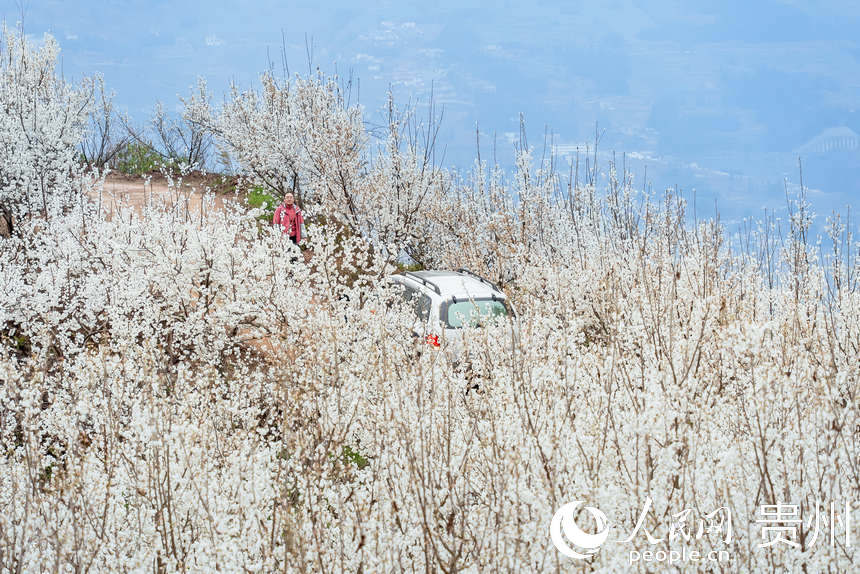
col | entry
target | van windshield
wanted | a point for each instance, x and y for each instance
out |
(473, 312)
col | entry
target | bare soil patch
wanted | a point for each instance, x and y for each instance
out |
(137, 191)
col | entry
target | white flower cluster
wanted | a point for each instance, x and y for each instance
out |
(188, 394)
(42, 122)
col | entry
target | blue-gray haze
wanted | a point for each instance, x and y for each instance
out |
(716, 97)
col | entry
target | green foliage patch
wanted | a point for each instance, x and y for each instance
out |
(260, 198)
(354, 457)
(137, 158)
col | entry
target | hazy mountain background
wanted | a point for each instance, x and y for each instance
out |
(716, 97)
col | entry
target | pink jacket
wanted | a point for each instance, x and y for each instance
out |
(290, 218)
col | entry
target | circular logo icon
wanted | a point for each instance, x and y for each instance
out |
(563, 528)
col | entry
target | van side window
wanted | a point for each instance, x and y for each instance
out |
(408, 293)
(422, 307)
(419, 302)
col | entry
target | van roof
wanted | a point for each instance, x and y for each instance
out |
(458, 284)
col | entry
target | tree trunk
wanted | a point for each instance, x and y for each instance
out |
(6, 226)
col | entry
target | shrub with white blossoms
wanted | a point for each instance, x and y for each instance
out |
(302, 135)
(188, 394)
(293, 135)
(42, 123)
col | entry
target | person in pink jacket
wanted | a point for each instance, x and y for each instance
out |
(289, 217)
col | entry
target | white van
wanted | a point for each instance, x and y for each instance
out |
(445, 302)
